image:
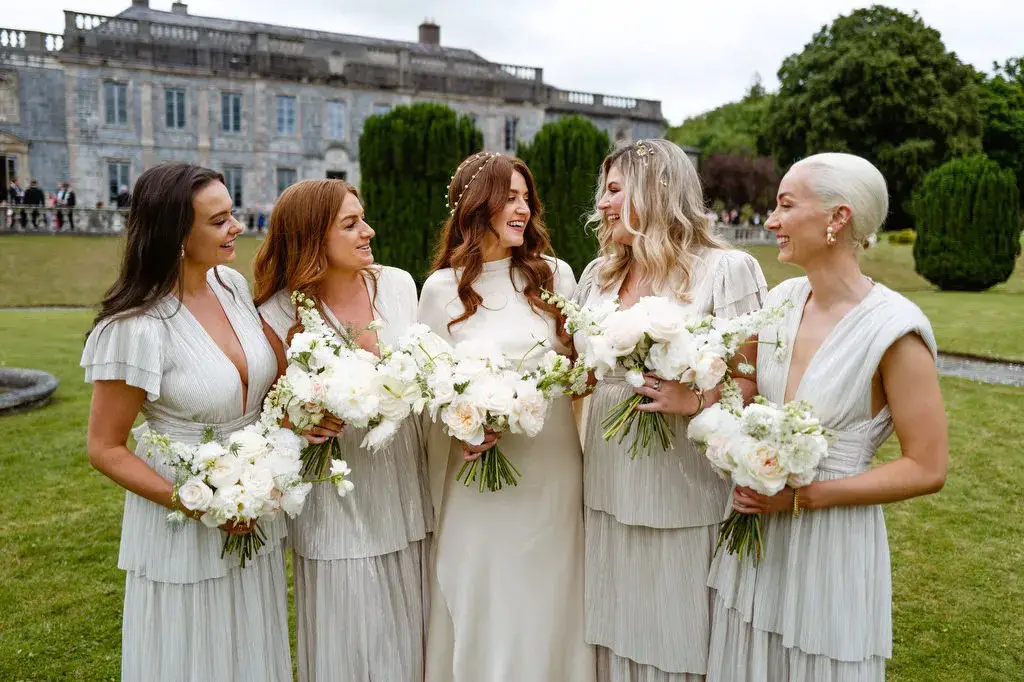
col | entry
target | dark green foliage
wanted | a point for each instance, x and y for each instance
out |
(407, 158)
(880, 84)
(565, 159)
(1001, 106)
(968, 226)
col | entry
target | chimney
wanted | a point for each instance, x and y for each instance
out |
(140, 3)
(430, 33)
(179, 8)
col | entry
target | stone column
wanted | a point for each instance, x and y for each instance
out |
(203, 124)
(146, 105)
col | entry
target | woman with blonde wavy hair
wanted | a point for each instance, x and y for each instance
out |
(359, 560)
(507, 600)
(652, 522)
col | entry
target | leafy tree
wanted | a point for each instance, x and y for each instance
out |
(565, 159)
(407, 157)
(730, 129)
(1001, 107)
(880, 84)
(968, 226)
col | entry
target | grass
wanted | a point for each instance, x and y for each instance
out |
(44, 270)
(956, 556)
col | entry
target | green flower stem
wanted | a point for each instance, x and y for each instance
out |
(493, 469)
(622, 417)
(316, 459)
(245, 546)
(741, 535)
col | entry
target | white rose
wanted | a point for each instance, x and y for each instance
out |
(247, 443)
(258, 480)
(601, 356)
(672, 360)
(464, 420)
(225, 472)
(528, 410)
(635, 378)
(720, 456)
(395, 406)
(666, 319)
(195, 494)
(714, 421)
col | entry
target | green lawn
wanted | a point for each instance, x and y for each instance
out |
(957, 556)
(39, 270)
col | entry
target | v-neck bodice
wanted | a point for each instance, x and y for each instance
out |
(838, 378)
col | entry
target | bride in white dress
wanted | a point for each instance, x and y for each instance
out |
(507, 597)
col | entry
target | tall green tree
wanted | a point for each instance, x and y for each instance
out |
(1001, 106)
(407, 157)
(968, 224)
(565, 159)
(880, 84)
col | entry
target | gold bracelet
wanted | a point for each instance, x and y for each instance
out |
(700, 403)
(796, 503)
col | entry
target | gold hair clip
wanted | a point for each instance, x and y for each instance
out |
(487, 157)
(642, 150)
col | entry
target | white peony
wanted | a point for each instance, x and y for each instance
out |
(207, 454)
(225, 472)
(623, 330)
(757, 466)
(528, 410)
(709, 370)
(635, 378)
(248, 443)
(493, 392)
(714, 421)
(464, 420)
(258, 480)
(666, 319)
(195, 494)
(294, 498)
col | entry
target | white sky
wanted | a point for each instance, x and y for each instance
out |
(693, 56)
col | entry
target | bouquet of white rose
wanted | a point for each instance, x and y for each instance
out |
(660, 336)
(762, 446)
(328, 372)
(254, 476)
(474, 390)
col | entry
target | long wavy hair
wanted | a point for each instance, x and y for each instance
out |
(663, 208)
(293, 256)
(159, 221)
(478, 192)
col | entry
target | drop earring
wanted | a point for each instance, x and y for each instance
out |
(830, 237)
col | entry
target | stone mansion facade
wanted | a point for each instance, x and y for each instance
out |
(266, 105)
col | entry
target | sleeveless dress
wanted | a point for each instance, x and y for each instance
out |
(359, 561)
(652, 522)
(188, 613)
(818, 608)
(507, 602)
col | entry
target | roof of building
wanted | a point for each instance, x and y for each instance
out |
(143, 13)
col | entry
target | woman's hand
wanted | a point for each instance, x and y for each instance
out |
(749, 501)
(669, 397)
(471, 452)
(329, 427)
(232, 528)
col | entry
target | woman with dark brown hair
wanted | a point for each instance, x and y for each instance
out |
(358, 560)
(507, 595)
(178, 341)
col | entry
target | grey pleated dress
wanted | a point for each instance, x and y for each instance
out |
(818, 608)
(188, 613)
(360, 561)
(652, 522)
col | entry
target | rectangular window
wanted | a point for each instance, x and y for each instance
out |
(381, 109)
(511, 124)
(117, 177)
(233, 181)
(286, 177)
(175, 104)
(336, 120)
(286, 107)
(115, 100)
(231, 112)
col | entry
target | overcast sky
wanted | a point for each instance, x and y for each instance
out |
(691, 55)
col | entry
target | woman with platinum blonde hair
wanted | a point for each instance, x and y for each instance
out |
(652, 522)
(817, 608)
